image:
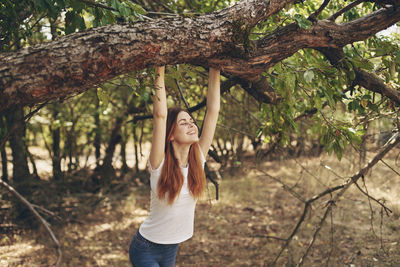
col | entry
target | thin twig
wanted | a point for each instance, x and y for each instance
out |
(319, 227)
(310, 173)
(162, 13)
(301, 219)
(182, 96)
(46, 211)
(235, 130)
(270, 237)
(332, 171)
(381, 224)
(387, 210)
(332, 241)
(316, 13)
(369, 203)
(387, 165)
(285, 186)
(340, 12)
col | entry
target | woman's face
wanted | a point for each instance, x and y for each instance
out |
(186, 131)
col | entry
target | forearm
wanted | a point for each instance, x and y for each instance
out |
(213, 92)
(159, 99)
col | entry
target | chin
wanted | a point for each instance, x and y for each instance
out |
(194, 140)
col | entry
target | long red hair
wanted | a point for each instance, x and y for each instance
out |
(171, 179)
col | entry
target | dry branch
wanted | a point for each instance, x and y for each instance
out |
(40, 218)
(343, 188)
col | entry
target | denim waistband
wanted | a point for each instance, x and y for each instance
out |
(139, 236)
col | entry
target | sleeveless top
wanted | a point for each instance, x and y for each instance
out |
(169, 224)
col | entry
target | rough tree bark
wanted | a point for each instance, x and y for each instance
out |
(74, 63)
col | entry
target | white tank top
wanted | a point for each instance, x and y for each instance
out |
(169, 224)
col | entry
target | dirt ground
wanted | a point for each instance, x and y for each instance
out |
(259, 207)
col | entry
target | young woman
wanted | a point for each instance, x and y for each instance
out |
(177, 177)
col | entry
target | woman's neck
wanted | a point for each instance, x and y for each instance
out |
(181, 153)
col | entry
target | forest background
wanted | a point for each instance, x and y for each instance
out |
(304, 167)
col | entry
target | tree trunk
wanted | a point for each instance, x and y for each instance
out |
(56, 137)
(69, 148)
(4, 161)
(135, 142)
(97, 133)
(35, 173)
(76, 62)
(124, 168)
(16, 124)
(21, 179)
(71, 145)
(106, 171)
(4, 166)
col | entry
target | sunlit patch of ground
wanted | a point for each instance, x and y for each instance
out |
(17, 253)
(233, 231)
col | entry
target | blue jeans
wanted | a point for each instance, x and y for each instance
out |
(144, 253)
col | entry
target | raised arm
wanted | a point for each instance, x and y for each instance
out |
(159, 119)
(213, 104)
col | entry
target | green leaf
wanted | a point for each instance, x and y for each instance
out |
(318, 102)
(145, 97)
(302, 22)
(77, 6)
(290, 82)
(308, 76)
(292, 123)
(115, 4)
(135, 7)
(373, 107)
(103, 96)
(362, 63)
(397, 58)
(123, 10)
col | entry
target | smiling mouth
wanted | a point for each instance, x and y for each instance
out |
(192, 132)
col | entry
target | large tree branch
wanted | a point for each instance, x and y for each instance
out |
(74, 63)
(288, 40)
(79, 61)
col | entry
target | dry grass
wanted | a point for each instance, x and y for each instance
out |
(231, 231)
